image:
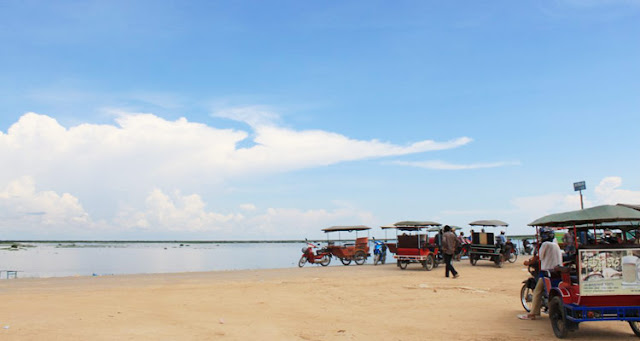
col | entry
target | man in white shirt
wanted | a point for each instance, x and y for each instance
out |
(550, 257)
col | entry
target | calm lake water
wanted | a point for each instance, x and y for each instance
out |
(99, 259)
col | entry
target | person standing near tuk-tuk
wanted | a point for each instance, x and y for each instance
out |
(449, 245)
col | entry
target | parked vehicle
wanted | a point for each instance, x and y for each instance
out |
(379, 252)
(321, 256)
(347, 252)
(483, 244)
(414, 244)
(602, 280)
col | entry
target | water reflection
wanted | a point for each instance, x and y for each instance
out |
(87, 259)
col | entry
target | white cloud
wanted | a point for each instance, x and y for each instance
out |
(248, 207)
(175, 213)
(121, 172)
(442, 165)
(21, 206)
(252, 115)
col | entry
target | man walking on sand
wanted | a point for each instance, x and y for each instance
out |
(449, 245)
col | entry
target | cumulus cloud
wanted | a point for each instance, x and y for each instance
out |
(22, 206)
(175, 213)
(146, 150)
(442, 165)
(122, 172)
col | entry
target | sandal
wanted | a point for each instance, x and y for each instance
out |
(527, 317)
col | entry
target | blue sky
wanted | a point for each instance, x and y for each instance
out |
(270, 120)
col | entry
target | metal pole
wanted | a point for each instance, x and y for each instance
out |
(581, 205)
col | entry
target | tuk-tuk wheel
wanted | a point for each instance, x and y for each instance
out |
(558, 318)
(360, 257)
(402, 265)
(302, 261)
(429, 263)
(635, 326)
(498, 261)
(345, 261)
(473, 260)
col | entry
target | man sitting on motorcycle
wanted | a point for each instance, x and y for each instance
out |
(550, 256)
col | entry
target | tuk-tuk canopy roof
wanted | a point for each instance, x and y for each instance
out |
(593, 215)
(346, 228)
(390, 226)
(488, 223)
(414, 225)
(635, 207)
(434, 229)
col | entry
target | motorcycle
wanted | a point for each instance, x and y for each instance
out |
(462, 251)
(526, 293)
(320, 256)
(511, 253)
(379, 252)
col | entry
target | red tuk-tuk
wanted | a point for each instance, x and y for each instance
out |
(601, 280)
(413, 246)
(347, 252)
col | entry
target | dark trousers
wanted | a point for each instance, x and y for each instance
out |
(449, 267)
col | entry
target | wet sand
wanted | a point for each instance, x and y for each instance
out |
(313, 303)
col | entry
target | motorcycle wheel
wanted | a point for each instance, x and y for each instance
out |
(376, 259)
(498, 261)
(513, 257)
(325, 260)
(345, 261)
(302, 261)
(383, 259)
(360, 257)
(635, 326)
(526, 297)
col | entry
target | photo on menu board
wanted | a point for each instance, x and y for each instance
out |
(609, 272)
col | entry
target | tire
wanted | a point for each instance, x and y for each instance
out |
(302, 261)
(473, 260)
(383, 259)
(376, 259)
(325, 260)
(345, 261)
(635, 326)
(402, 265)
(526, 297)
(360, 257)
(498, 261)
(558, 318)
(429, 263)
(513, 257)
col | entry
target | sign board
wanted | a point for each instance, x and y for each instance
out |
(609, 272)
(579, 186)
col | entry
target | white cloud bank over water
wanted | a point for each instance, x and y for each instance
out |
(139, 165)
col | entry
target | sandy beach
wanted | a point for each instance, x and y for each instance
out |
(313, 303)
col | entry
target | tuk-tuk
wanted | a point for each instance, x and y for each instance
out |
(601, 280)
(484, 244)
(347, 252)
(413, 246)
